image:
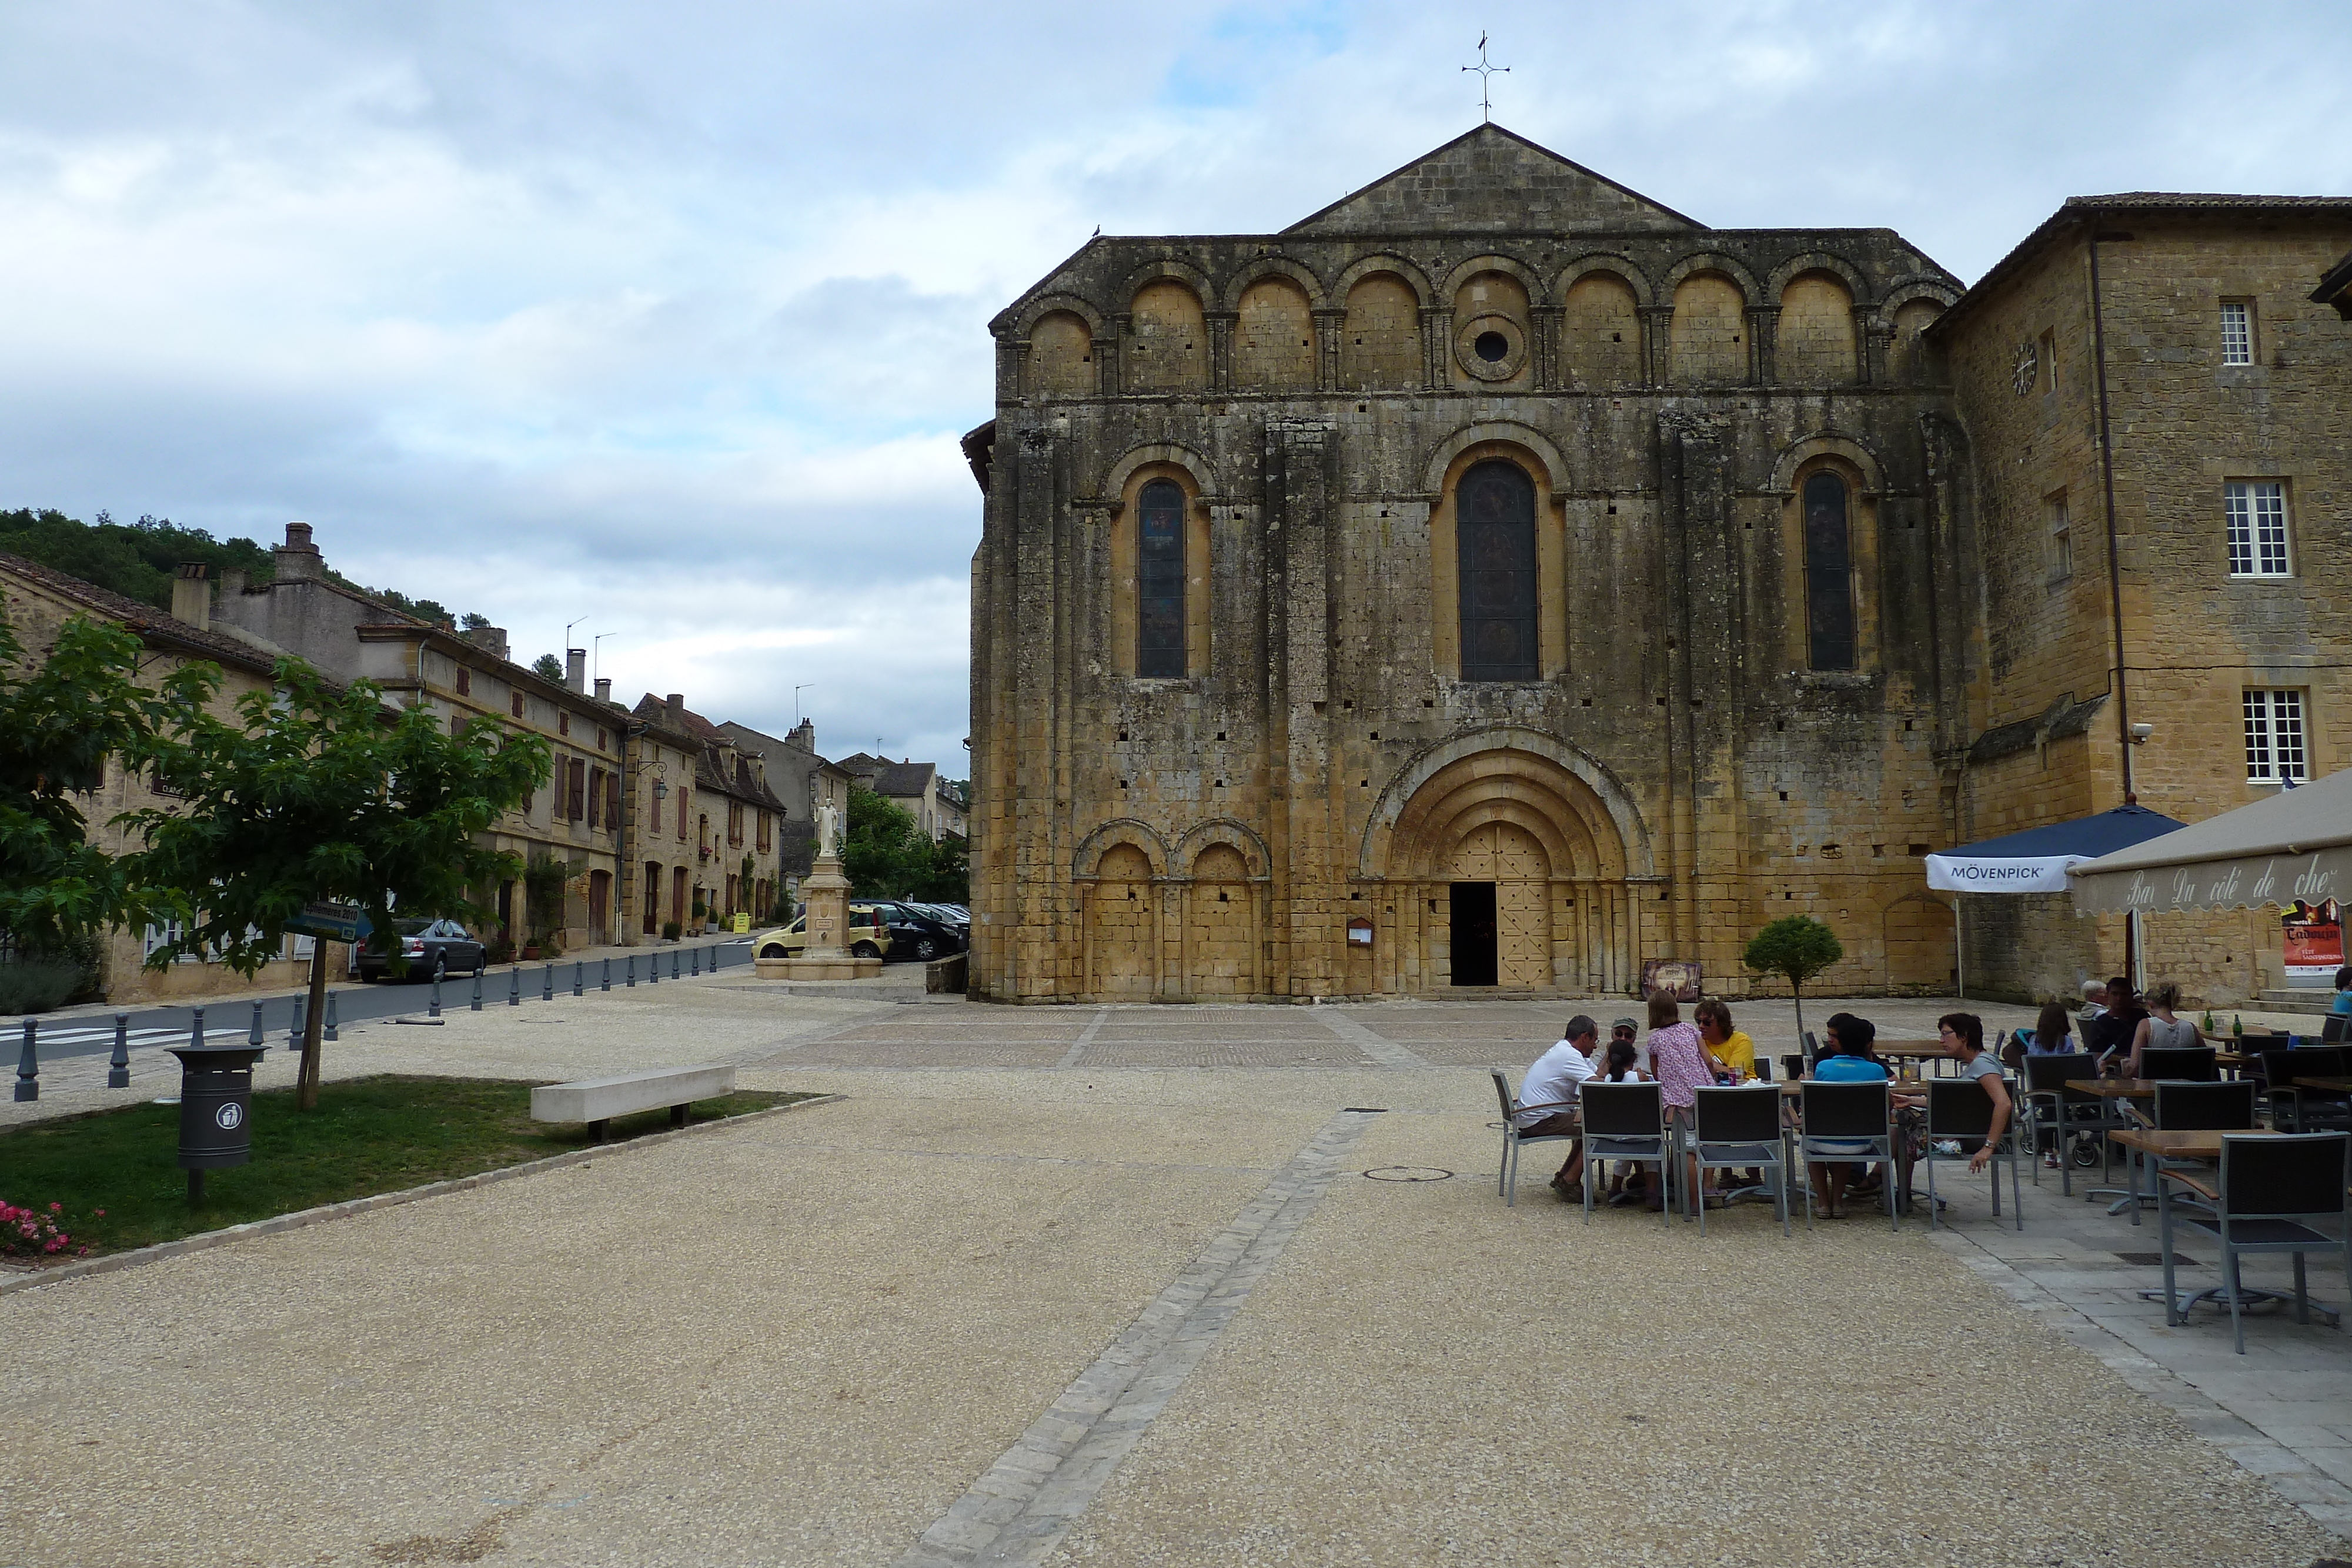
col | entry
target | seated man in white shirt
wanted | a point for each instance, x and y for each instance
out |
(1549, 1092)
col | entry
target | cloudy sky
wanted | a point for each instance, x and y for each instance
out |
(666, 318)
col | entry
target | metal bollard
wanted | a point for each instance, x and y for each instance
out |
(606, 984)
(694, 965)
(117, 1066)
(653, 969)
(673, 963)
(329, 1032)
(253, 1035)
(575, 977)
(297, 1036)
(196, 1029)
(514, 987)
(477, 987)
(631, 968)
(433, 1010)
(547, 991)
(28, 1065)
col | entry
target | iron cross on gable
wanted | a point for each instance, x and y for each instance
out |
(1486, 79)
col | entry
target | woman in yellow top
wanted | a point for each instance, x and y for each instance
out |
(1731, 1045)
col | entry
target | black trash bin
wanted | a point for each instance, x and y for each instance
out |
(215, 1108)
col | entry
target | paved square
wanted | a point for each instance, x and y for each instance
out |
(1131, 1286)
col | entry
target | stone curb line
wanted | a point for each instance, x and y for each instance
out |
(300, 1219)
(2326, 1501)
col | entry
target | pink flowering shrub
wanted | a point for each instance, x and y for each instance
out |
(37, 1233)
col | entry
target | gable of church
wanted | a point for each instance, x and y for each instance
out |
(1491, 180)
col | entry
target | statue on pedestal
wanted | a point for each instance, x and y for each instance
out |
(828, 830)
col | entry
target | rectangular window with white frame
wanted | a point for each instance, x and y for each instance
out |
(158, 937)
(2257, 517)
(2275, 748)
(2237, 331)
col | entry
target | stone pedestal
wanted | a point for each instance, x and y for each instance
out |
(824, 900)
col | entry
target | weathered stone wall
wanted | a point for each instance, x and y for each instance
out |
(1675, 777)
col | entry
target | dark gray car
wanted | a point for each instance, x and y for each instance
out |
(431, 947)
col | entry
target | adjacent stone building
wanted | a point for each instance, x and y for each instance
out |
(2152, 383)
(1499, 579)
(36, 602)
(712, 826)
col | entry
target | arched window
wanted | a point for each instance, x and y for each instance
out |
(1159, 580)
(1829, 575)
(1495, 529)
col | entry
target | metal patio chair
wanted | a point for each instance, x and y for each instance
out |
(1833, 1119)
(2180, 1063)
(1507, 1180)
(1625, 1122)
(2295, 1109)
(2061, 1117)
(1959, 1112)
(1737, 1129)
(2271, 1193)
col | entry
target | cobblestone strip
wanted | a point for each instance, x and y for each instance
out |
(1371, 1042)
(1017, 1511)
(2326, 1500)
(1086, 1038)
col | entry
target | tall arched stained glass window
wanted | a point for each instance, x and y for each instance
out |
(1494, 531)
(1829, 575)
(1160, 579)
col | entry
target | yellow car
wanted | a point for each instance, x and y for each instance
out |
(867, 937)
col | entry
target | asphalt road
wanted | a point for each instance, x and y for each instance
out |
(232, 1018)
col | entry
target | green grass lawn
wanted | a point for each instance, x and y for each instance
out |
(368, 1135)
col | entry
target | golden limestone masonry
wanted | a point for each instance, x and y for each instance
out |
(1500, 579)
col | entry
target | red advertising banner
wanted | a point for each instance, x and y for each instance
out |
(2312, 935)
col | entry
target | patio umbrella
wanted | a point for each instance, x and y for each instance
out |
(2037, 860)
(2295, 845)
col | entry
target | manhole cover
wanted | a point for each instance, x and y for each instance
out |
(1408, 1173)
(2155, 1260)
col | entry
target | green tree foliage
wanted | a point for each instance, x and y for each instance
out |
(316, 795)
(1796, 947)
(548, 667)
(137, 559)
(886, 856)
(60, 720)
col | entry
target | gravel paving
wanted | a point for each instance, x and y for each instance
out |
(803, 1339)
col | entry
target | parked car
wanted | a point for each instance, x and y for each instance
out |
(868, 936)
(920, 935)
(431, 947)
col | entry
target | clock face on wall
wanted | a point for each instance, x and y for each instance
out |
(2020, 375)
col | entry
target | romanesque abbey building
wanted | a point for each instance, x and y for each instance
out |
(1499, 579)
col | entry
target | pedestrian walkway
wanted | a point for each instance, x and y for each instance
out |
(1105, 1285)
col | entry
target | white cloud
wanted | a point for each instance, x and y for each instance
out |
(671, 316)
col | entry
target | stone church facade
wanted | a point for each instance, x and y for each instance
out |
(1495, 580)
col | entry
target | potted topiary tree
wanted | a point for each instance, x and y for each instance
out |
(1796, 947)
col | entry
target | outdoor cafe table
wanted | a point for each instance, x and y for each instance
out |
(2110, 1090)
(2329, 1085)
(2145, 1144)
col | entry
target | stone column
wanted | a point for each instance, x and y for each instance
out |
(1871, 336)
(1763, 344)
(1221, 348)
(1012, 357)
(1437, 347)
(1548, 321)
(1657, 342)
(1328, 325)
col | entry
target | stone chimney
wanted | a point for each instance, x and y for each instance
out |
(803, 736)
(192, 595)
(603, 688)
(298, 558)
(575, 669)
(233, 581)
(675, 707)
(491, 640)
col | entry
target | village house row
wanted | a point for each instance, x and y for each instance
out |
(1499, 579)
(652, 811)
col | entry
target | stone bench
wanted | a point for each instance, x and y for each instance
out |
(597, 1101)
